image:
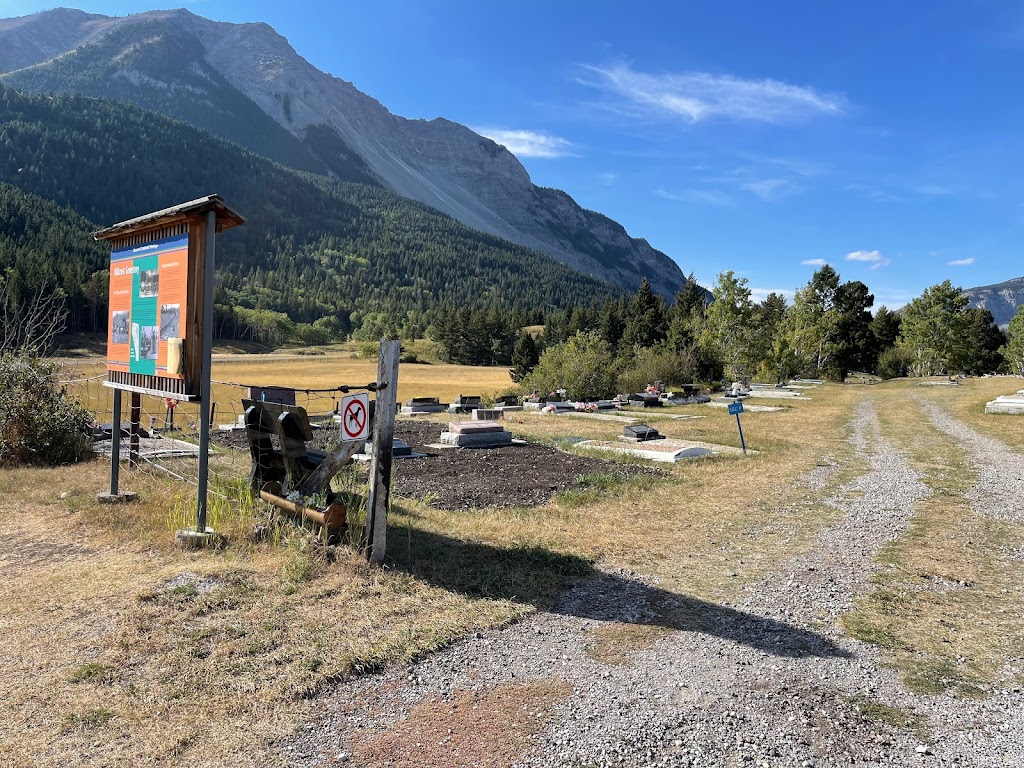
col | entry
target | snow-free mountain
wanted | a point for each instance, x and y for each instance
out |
(245, 83)
(1001, 299)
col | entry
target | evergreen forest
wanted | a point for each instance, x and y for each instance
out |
(353, 258)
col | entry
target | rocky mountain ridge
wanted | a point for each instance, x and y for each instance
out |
(213, 73)
(1002, 299)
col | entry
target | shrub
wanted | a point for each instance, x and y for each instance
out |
(40, 422)
(652, 364)
(583, 366)
(895, 362)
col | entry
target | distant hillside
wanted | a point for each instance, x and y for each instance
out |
(43, 244)
(1002, 299)
(313, 247)
(244, 82)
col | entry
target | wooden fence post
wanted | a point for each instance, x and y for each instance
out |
(385, 408)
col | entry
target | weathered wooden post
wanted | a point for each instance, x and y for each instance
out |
(385, 409)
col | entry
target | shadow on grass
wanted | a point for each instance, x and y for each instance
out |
(570, 585)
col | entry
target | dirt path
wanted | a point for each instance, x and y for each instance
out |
(625, 673)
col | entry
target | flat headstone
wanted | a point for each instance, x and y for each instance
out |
(723, 402)
(413, 410)
(477, 439)
(474, 427)
(641, 433)
(644, 400)
(279, 395)
(399, 450)
(669, 451)
(557, 405)
(106, 431)
(1007, 404)
(487, 414)
(778, 394)
(414, 401)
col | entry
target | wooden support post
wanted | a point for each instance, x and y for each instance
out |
(385, 408)
(134, 416)
(320, 478)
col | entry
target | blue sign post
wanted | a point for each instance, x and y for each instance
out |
(736, 409)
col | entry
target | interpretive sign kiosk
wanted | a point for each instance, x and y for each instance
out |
(161, 319)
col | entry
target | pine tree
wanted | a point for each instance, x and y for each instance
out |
(524, 357)
(645, 321)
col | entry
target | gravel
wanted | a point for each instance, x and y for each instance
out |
(999, 490)
(769, 681)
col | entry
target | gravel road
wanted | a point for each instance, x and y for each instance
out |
(1000, 486)
(769, 681)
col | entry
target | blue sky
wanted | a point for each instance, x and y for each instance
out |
(886, 139)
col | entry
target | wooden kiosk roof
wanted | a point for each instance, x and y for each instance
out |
(226, 218)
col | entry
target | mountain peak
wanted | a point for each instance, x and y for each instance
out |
(250, 76)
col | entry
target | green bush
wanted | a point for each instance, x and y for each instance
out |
(583, 366)
(895, 362)
(651, 364)
(40, 422)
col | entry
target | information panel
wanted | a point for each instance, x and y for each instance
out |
(148, 307)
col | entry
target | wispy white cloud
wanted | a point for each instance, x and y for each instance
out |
(814, 262)
(769, 190)
(933, 190)
(697, 96)
(876, 194)
(874, 258)
(522, 143)
(702, 196)
(961, 262)
(607, 178)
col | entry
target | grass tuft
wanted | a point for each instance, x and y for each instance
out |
(92, 672)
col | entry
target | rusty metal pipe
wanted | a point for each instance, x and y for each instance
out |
(333, 518)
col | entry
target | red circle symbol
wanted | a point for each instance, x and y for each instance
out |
(353, 420)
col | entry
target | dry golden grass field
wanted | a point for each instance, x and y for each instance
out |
(120, 649)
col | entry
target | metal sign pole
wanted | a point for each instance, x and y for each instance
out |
(115, 444)
(740, 427)
(204, 386)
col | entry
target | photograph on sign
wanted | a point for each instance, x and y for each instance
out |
(170, 321)
(148, 305)
(355, 417)
(119, 326)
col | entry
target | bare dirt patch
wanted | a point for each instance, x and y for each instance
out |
(511, 476)
(487, 728)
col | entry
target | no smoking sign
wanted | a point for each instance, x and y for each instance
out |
(355, 417)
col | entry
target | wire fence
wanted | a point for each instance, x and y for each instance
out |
(168, 438)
